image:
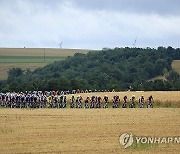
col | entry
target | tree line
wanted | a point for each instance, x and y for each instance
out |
(118, 68)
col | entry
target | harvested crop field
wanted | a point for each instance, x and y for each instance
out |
(40, 51)
(176, 65)
(85, 131)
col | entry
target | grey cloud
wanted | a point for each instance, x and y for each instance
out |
(89, 24)
(162, 7)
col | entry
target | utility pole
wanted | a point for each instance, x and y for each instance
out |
(44, 54)
(134, 44)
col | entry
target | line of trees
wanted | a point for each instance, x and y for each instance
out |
(110, 69)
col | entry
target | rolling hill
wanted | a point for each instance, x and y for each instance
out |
(110, 69)
(32, 58)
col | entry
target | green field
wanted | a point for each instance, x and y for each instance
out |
(30, 59)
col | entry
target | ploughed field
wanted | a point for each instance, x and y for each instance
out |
(85, 130)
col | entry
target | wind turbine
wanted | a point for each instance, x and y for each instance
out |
(60, 45)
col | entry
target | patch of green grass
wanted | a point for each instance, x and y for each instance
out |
(2, 107)
(30, 59)
(5, 130)
(165, 106)
(140, 146)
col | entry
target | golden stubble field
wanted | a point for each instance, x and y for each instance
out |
(176, 65)
(40, 51)
(85, 131)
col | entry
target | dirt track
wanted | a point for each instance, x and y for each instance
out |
(84, 131)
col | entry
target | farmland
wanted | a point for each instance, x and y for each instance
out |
(85, 131)
(91, 130)
(40, 52)
(31, 58)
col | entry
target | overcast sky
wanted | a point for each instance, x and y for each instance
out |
(89, 24)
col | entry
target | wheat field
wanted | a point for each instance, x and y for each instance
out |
(40, 51)
(84, 131)
(90, 130)
(161, 98)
